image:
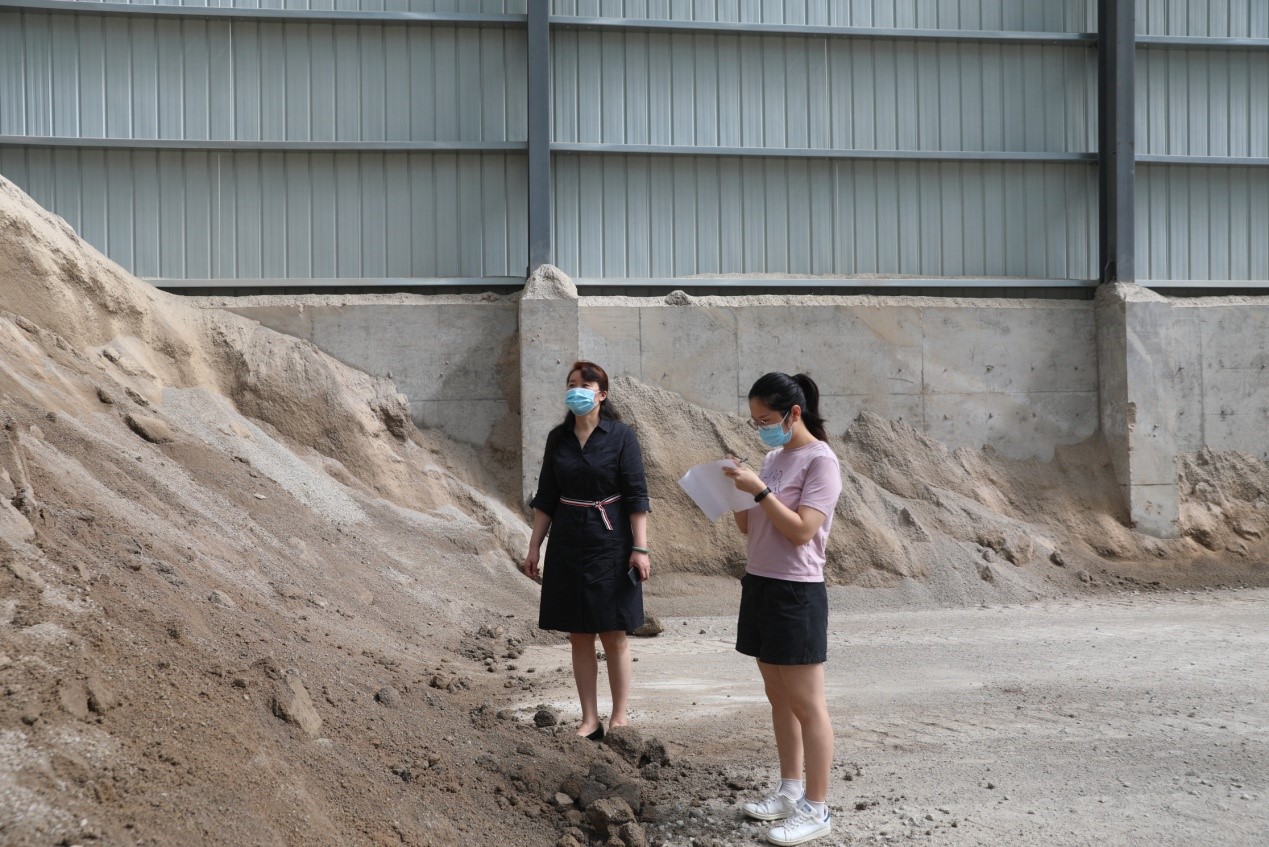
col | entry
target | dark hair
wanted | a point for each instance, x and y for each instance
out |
(591, 372)
(782, 392)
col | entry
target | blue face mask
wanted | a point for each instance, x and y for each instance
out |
(774, 434)
(579, 400)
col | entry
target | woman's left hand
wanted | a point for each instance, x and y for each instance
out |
(744, 478)
(641, 563)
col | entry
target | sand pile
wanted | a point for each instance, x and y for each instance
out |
(958, 525)
(242, 599)
(1225, 502)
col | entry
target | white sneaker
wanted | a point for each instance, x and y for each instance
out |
(774, 807)
(804, 826)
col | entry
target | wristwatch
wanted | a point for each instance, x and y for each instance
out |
(757, 498)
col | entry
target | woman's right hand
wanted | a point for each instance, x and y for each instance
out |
(530, 567)
(743, 477)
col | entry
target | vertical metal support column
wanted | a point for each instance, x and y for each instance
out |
(1116, 129)
(541, 241)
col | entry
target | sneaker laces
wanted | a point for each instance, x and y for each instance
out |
(801, 817)
(774, 802)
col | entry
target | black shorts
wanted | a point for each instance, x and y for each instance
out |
(783, 622)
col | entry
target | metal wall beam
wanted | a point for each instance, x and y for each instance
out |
(1195, 42)
(80, 7)
(822, 153)
(1206, 161)
(480, 282)
(1074, 39)
(765, 282)
(1116, 51)
(1204, 283)
(541, 246)
(218, 145)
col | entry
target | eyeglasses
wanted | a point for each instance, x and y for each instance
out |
(753, 424)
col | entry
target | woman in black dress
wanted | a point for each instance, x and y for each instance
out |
(593, 497)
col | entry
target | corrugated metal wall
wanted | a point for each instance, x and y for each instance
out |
(1202, 223)
(863, 94)
(1202, 219)
(950, 139)
(179, 214)
(89, 76)
(492, 7)
(642, 216)
(671, 216)
(1054, 15)
(226, 86)
(1204, 18)
(1018, 15)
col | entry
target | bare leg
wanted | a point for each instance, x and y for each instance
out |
(586, 675)
(788, 732)
(617, 650)
(804, 688)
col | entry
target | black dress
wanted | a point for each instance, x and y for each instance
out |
(584, 583)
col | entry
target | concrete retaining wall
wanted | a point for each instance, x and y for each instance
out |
(1016, 375)
(1176, 376)
(1159, 377)
(445, 352)
(1223, 402)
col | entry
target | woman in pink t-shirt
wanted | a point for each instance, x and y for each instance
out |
(783, 605)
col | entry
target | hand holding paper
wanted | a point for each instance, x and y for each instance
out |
(715, 494)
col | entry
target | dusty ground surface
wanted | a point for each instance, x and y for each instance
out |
(1120, 719)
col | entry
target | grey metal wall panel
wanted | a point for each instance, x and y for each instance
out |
(113, 77)
(1206, 18)
(1203, 102)
(227, 215)
(247, 215)
(1012, 15)
(723, 90)
(487, 7)
(1202, 223)
(656, 217)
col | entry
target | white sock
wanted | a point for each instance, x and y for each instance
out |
(791, 788)
(820, 809)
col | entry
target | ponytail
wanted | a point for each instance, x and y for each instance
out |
(811, 408)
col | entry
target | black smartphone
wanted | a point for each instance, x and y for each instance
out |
(633, 575)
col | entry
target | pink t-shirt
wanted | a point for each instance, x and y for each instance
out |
(808, 476)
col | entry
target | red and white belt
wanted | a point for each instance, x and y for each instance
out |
(594, 504)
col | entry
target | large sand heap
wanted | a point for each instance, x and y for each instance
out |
(960, 525)
(242, 599)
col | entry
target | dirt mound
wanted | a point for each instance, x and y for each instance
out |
(144, 341)
(958, 525)
(1225, 501)
(242, 599)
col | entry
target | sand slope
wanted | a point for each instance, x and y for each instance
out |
(240, 595)
(960, 526)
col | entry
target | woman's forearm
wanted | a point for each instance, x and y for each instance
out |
(792, 525)
(639, 528)
(541, 523)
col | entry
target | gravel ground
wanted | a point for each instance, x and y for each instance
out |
(1121, 719)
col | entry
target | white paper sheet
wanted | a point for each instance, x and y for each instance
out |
(714, 493)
